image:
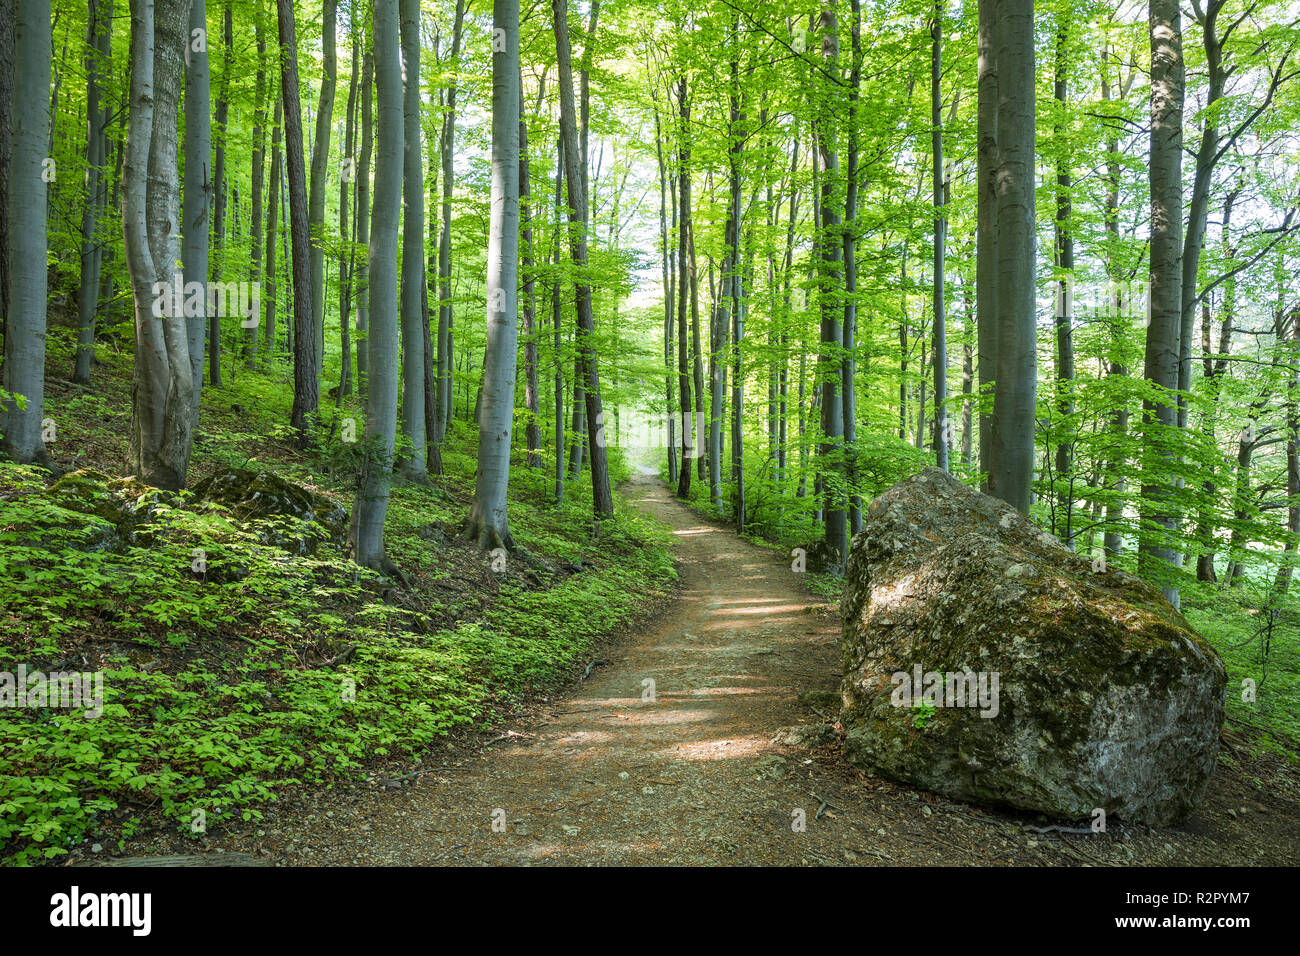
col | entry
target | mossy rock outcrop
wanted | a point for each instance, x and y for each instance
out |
(984, 660)
(282, 511)
(124, 503)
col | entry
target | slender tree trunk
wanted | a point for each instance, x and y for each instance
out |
(830, 254)
(445, 316)
(689, 422)
(939, 335)
(488, 524)
(306, 374)
(988, 161)
(259, 172)
(1063, 524)
(849, 372)
(219, 196)
(576, 178)
(413, 466)
(199, 187)
(1163, 346)
(99, 25)
(363, 219)
(272, 220)
(669, 288)
(557, 311)
(532, 397)
(371, 507)
(1286, 569)
(319, 174)
(347, 220)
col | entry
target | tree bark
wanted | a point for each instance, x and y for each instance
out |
(1163, 346)
(24, 349)
(488, 522)
(319, 174)
(371, 509)
(1016, 368)
(576, 180)
(99, 25)
(306, 375)
(162, 390)
(413, 466)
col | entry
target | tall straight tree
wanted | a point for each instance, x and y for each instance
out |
(306, 374)
(939, 334)
(259, 175)
(488, 523)
(197, 199)
(99, 21)
(849, 373)
(162, 390)
(576, 180)
(689, 422)
(371, 509)
(319, 173)
(1163, 342)
(986, 266)
(24, 366)
(532, 397)
(218, 193)
(272, 219)
(445, 317)
(1016, 367)
(363, 217)
(413, 466)
(347, 225)
(830, 257)
(1064, 298)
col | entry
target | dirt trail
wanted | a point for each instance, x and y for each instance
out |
(608, 776)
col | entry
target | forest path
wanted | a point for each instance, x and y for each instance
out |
(605, 776)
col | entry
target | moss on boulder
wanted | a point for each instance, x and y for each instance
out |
(1097, 693)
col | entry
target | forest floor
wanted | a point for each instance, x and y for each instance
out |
(602, 774)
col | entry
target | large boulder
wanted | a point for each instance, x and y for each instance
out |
(284, 513)
(986, 661)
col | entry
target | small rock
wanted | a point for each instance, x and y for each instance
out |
(771, 767)
(623, 775)
(97, 848)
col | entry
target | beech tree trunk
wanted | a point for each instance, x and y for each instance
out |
(197, 199)
(371, 507)
(306, 374)
(414, 465)
(488, 522)
(1016, 366)
(99, 26)
(1163, 346)
(162, 390)
(24, 365)
(319, 175)
(576, 180)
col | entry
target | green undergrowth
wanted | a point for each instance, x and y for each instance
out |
(230, 678)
